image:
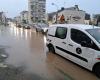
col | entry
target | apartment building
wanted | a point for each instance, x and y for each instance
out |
(37, 10)
(24, 17)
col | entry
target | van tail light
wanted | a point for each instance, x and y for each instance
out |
(98, 58)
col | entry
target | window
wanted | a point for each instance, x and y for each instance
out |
(78, 36)
(94, 33)
(61, 32)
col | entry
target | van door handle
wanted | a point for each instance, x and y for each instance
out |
(64, 42)
(70, 45)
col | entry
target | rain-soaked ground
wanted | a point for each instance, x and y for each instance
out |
(24, 56)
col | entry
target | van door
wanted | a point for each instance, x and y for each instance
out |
(61, 41)
(81, 55)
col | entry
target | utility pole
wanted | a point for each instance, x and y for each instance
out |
(56, 12)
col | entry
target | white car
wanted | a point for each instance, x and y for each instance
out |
(41, 27)
(76, 42)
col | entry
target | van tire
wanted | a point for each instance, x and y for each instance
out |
(96, 70)
(51, 48)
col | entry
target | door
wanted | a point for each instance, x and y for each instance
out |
(79, 54)
(61, 41)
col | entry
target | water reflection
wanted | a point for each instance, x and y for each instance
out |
(20, 33)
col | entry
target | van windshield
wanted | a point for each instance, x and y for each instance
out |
(95, 33)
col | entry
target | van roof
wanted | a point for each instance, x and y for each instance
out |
(77, 26)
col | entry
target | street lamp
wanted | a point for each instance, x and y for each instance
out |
(56, 12)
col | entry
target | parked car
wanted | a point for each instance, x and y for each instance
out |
(76, 42)
(44, 29)
(41, 27)
(27, 26)
(18, 25)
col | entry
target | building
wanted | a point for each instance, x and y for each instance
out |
(37, 10)
(72, 15)
(9, 21)
(17, 20)
(24, 17)
(96, 19)
(2, 18)
(50, 17)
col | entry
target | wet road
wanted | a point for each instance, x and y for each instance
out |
(27, 51)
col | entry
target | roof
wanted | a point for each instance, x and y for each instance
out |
(71, 8)
(23, 12)
(75, 8)
(77, 26)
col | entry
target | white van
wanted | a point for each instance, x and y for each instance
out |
(76, 42)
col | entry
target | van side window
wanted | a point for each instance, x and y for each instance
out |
(78, 36)
(61, 32)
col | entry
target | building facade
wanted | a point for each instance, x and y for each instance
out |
(72, 15)
(24, 17)
(3, 18)
(37, 10)
(17, 19)
(50, 17)
(96, 19)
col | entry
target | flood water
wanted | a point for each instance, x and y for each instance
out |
(26, 49)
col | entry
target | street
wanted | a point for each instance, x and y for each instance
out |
(29, 59)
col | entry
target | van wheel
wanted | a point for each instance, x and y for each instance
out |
(51, 49)
(96, 70)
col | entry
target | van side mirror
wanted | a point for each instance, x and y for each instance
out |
(84, 44)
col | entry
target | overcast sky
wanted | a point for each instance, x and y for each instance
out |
(13, 7)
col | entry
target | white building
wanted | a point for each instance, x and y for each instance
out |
(71, 15)
(24, 17)
(37, 10)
